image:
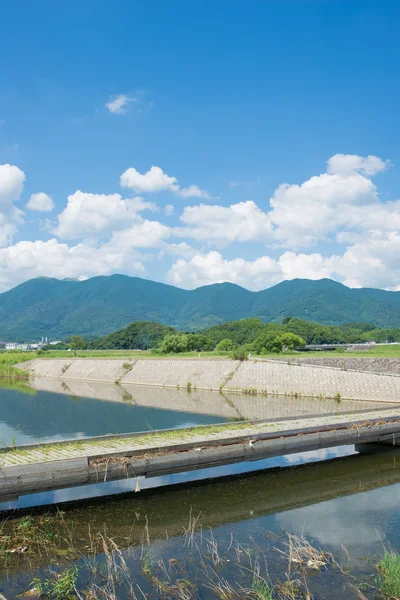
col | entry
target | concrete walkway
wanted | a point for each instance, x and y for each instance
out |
(53, 465)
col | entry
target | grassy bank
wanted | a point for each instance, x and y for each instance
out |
(8, 372)
(11, 358)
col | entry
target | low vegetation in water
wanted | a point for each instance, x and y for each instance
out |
(66, 562)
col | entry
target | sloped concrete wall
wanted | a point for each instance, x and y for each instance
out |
(262, 377)
(204, 374)
(281, 378)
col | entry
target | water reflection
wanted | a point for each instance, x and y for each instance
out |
(58, 497)
(351, 501)
(58, 410)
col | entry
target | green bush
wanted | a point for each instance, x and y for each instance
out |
(225, 345)
(239, 354)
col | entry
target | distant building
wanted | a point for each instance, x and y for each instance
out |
(15, 346)
(3, 345)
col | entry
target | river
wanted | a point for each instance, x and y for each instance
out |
(189, 540)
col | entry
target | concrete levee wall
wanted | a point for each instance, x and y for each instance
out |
(281, 378)
(269, 376)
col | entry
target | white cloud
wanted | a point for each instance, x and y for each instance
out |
(118, 105)
(300, 215)
(204, 269)
(54, 259)
(40, 202)
(341, 206)
(12, 181)
(258, 274)
(146, 234)
(11, 186)
(89, 214)
(343, 197)
(181, 249)
(372, 262)
(155, 180)
(192, 191)
(346, 164)
(240, 222)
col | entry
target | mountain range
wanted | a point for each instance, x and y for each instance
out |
(100, 305)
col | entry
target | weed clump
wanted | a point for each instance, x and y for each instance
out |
(239, 354)
(388, 581)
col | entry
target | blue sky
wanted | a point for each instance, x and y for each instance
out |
(238, 104)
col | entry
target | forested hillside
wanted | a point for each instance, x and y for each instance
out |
(101, 305)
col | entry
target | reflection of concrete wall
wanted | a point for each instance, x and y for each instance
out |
(272, 376)
(231, 406)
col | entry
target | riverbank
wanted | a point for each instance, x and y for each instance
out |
(258, 376)
(8, 372)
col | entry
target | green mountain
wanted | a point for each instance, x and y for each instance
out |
(102, 305)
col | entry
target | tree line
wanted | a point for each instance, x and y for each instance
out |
(252, 335)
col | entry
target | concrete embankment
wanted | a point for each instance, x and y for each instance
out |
(371, 364)
(258, 377)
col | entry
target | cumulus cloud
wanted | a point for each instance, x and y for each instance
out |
(303, 214)
(155, 180)
(341, 206)
(343, 199)
(240, 222)
(40, 202)
(346, 164)
(12, 181)
(258, 274)
(25, 260)
(118, 104)
(146, 234)
(89, 214)
(371, 262)
(204, 269)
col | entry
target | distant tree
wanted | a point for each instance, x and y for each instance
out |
(225, 345)
(290, 341)
(174, 343)
(77, 343)
(268, 342)
(199, 342)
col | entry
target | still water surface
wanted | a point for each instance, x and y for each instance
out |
(344, 502)
(54, 410)
(348, 506)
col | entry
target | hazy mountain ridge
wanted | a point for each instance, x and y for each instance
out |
(102, 305)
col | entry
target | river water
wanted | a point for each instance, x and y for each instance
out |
(185, 541)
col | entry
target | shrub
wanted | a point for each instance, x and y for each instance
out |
(239, 354)
(225, 345)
